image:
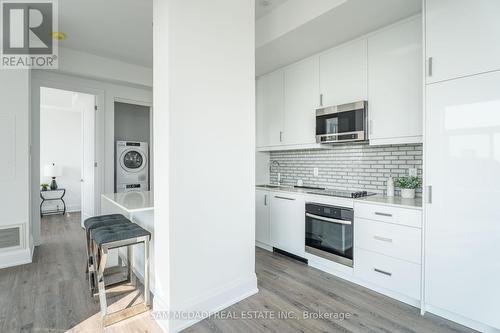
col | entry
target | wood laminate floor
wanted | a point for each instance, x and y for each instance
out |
(51, 295)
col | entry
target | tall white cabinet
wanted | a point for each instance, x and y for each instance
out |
(463, 229)
(461, 38)
(395, 84)
(462, 162)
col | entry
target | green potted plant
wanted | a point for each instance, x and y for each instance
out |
(408, 185)
(44, 187)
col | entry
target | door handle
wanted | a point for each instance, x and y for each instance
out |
(429, 194)
(383, 214)
(382, 272)
(265, 199)
(320, 99)
(383, 239)
(284, 198)
(429, 65)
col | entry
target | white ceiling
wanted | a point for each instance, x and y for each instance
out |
(118, 29)
(352, 19)
(263, 7)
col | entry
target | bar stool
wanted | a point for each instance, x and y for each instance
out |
(96, 222)
(111, 236)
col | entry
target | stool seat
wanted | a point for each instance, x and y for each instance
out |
(98, 221)
(117, 232)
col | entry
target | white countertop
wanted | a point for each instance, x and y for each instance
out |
(376, 199)
(132, 201)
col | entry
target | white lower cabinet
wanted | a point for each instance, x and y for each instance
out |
(287, 222)
(396, 275)
(262, 232)
(387, 248)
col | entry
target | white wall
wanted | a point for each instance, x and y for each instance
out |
(14, 169)
(204, 131)
(101, 68)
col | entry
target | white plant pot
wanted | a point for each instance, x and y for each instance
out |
(408, 193)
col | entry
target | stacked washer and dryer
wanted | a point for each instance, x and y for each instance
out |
(132, 166)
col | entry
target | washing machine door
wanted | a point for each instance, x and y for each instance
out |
(133, 160)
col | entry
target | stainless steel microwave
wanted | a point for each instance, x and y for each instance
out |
(342, 123)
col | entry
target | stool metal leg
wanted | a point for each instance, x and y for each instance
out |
(129, 263)
(100, 279)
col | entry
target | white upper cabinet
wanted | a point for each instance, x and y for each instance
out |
(344, 74)
(395, 84)
(270, 105)
(301, 101)
(462, 38)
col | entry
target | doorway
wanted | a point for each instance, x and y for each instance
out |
(67, 152)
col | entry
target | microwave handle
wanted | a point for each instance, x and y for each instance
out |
(327, 219)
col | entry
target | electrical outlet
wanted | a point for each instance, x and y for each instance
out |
(412, 172)
(316, 172)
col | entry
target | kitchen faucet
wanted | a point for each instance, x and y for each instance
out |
(279, 169)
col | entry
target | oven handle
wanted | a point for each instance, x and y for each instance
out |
(327, 219)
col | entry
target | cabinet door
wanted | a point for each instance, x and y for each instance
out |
(462, 37)
(288, 223)
(344, 74)
(462, 222)
(395, 84)
(262, 216)
(270, 109)
(301, 101)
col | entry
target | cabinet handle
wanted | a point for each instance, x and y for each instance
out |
(370, 130)
(284, 198)
(429, 194)
(430, 66)
(320, 99)
(383, 239)
(383, 214)
(382, 272)
(265, 199)
(281, 136)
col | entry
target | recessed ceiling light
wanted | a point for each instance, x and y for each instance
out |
(58, 35)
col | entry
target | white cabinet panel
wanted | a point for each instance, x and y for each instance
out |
(462, 37)
(270, 109)
(344, 74)
(262, 216)
(403, 216)
(288, 222)
(397, 241)
(393, 274)
(395, 84)
(462, 222)
(301, 101)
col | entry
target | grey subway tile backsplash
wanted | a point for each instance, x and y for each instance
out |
(348, 166)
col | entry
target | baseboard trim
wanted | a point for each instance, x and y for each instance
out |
(460, 319)
(15, 257)
(264, 246)
(216, 300)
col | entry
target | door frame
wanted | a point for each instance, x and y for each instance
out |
(151, 142)
(36, 84)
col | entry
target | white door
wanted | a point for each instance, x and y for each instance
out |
(270, 109)
(262, 216)
(87, 104)
(462, 37)
(344, 74)
(395, 84)
(301, 100)
(288, 223)
(462, 266)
